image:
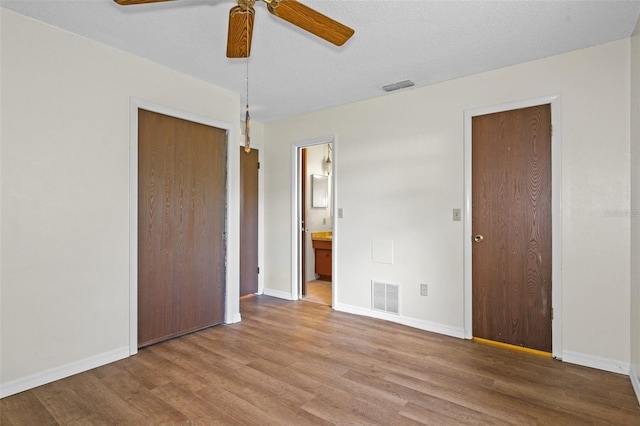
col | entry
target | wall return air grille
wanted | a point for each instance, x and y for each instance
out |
(385, 297)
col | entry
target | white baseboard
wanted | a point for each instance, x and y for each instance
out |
(411, 322)
(635, 382)
(279, 294)
(237, 318)
(592, 361)
(57, 373)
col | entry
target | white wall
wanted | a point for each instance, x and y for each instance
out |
(400, 173)
(65, 193)
(635, 209)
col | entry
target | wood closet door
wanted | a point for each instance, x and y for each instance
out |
(181, 226)
(511, 222)
(248, 221)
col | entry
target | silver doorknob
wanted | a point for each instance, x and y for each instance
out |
(478, 238)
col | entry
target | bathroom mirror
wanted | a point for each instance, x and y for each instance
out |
(319, 191)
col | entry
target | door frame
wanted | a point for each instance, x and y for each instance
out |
(260, 149)
(232, 287)
(556, 212)
(296, 250)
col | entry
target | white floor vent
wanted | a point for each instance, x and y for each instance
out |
(385, 297)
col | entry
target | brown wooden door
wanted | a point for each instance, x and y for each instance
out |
(248, 222)
(511, 227)
(181, 226)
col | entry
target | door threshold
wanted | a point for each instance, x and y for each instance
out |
(513, 347)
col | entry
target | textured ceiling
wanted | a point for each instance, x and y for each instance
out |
(293, 72)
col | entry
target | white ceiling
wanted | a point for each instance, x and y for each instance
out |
(293, 72)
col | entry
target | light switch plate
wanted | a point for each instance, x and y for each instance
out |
(457, 215)
(424, 290)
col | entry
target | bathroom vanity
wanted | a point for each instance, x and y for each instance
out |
(322, 245)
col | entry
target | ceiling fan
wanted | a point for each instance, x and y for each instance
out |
(241, 23)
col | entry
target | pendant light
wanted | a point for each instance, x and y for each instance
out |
(326, 165)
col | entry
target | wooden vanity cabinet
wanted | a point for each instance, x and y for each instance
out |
(322, 251)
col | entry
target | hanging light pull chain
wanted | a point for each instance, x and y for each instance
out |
(247, 118)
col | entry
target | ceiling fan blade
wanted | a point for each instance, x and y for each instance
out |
(130, 2)
(310, 20)
(240, 32)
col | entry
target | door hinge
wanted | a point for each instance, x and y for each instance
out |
(258, 165)
(258, 270)
(552, 314)
(551, 130)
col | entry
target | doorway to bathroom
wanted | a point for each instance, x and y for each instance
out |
(314, 271)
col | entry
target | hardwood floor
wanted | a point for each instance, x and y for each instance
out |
(318, 292)
(299, 363)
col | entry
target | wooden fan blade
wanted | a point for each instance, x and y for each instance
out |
(130, 2)
(311, 20)
(240, 32)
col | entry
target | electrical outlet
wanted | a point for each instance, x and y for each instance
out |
(424, 290)
(457, 215)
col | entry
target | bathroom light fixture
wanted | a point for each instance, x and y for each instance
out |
(326, 163)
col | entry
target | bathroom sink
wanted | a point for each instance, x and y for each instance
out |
(322, 236)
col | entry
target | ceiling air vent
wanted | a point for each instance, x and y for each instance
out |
(398, 85)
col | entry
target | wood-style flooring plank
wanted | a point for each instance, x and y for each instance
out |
(24, 408)
(301, 363)
(318, 291)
